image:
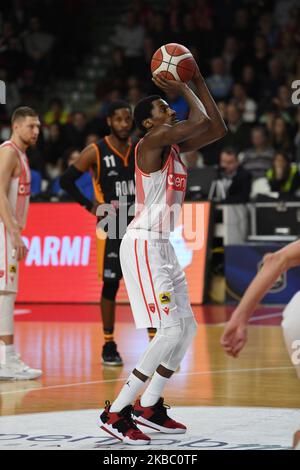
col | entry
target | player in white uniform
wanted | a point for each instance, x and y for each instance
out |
(234, 337)
(14, 202)
(275, 264)
(155, 283)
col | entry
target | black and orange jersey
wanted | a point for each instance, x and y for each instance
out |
(115, 172)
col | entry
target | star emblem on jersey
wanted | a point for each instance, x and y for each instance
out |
(152, 308)
(165, 297)
(12, 268)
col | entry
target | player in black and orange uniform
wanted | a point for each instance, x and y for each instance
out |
(111, 161)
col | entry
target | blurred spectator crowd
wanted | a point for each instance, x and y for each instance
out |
(248, 52)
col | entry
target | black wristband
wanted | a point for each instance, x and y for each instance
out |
(68, 183)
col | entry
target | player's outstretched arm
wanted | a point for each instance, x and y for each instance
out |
(161, 136)
(86, 161)
(216, 129)
(235, 333)
(197, 122)
(8, 164)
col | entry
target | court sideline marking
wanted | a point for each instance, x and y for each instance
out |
(221, 371)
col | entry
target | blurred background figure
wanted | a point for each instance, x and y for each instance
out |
(284, 177)
(235, 181)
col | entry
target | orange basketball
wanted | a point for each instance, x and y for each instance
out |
(174, 62)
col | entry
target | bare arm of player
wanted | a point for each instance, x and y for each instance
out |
(235, 333)
(166, 134)
(217, 127)
(8, 165)
(86, 161)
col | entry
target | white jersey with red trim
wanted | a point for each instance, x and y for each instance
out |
(159, 195)
(19, 188)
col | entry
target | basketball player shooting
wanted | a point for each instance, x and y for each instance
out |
(14, 202)
(155, 282)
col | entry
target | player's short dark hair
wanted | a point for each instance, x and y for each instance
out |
(230, 151)
(260, 129)
(143, 110)
(22, 112)
(115, 105)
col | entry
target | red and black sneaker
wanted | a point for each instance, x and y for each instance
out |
(155, 417)
(121, 426)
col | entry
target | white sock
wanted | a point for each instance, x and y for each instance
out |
(9, 349)
(6, 352)
(127, 394)
(154, 390)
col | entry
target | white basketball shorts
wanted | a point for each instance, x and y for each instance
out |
(9, 270)
(156, 284)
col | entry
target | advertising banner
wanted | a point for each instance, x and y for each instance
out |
(61, 264)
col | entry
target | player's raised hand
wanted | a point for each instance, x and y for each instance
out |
(168, 86)
(234, 337)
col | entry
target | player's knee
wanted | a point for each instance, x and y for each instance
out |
(190, 328)
(110, 290)
(172, 334)
(7, 314)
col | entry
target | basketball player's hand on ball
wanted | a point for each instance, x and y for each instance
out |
(20, 250)
(234, 337)
(169, 86)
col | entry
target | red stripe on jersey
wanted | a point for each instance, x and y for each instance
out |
(150, 275)
(6, 263)
(140, 280)
(140, 195)
(21, 201)
(170, 196)
(138, 170)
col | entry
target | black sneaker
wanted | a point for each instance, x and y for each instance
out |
(110, 355)
(122, 426)
(156, 417)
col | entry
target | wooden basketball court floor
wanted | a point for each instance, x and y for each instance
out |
(65, 341)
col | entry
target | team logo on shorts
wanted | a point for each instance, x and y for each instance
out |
(1, 273)
(152, 308)
(12, 268)
(165, 297)
(166, 310)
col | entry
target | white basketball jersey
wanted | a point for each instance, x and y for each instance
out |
(159, 195)
(19, 188)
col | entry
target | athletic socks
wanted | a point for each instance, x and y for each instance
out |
(154, 390)
(151, 333)
(127, 394)
(9, 349)
(108, 335)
